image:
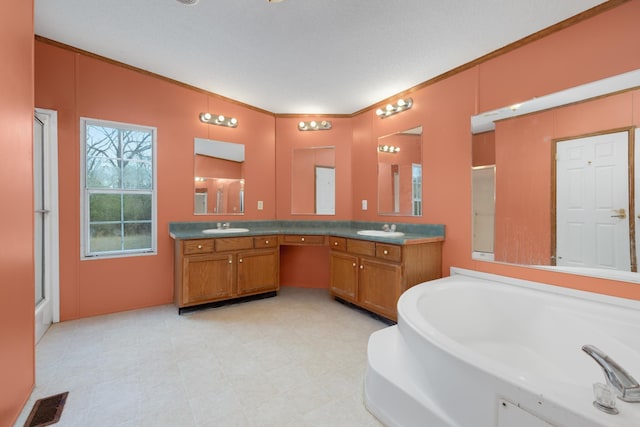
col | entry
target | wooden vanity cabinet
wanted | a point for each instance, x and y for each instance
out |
(344, 275)
(302, 239)
(373, 275)
(257, 272)
(206, 278)
(217, 269)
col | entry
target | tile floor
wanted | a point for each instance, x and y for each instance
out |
(294, 360)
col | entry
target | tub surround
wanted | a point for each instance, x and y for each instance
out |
(480, 349)
(368, 271)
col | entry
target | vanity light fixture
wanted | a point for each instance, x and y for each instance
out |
(391, 109)
(314, 125)
(219, 119)
(388, 149)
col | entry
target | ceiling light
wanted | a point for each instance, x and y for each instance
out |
(391, 109)
(314, 125)
(188, 2)
(392, 149)
(218, 119)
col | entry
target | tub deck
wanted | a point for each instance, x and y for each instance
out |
(477, 349)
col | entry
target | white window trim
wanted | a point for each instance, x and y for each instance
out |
(84, 202)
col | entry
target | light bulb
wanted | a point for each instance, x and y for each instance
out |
(401, 103)
(301, 125)
(221, 118)
(233, 120)
(207, 116)
(313, 124)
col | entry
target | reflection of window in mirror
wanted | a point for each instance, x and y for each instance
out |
(400, 173)
(313, 180)
(218, 177)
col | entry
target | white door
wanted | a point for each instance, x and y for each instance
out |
(325, 190)
(45, 186)
(483, 187)
(592, 202)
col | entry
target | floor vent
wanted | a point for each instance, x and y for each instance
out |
(47, 411)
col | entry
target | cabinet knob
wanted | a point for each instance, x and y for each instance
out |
(199, 246)
(386, 252)
(335, 243)
(240, 260)
(230, 261)
(302, 239)
(266, 242)
(361, 267)
(354, 264)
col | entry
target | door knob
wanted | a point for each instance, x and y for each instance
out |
(620, 213)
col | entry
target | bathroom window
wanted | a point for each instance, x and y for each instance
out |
(118, 189)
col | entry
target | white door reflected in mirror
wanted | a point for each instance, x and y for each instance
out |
(313, 181)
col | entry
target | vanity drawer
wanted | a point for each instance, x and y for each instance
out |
(303, 239)
(233, 243)
(361, 247)
(265, 242)
(338, 243)
(197, 246)
(390, 252)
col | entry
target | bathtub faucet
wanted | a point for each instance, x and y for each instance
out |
(626, 387)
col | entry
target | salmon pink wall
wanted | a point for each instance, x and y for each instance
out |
(523, 183)
(304, 266)
(16, 227)
(603, 46)
(288, 138)
(78, 86)
(483, 149)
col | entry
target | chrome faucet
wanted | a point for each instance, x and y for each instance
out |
(226, 225)
(623, 384)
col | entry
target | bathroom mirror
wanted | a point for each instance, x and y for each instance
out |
(313, 181)
(400, 173)
(563, 166)
(218, 177)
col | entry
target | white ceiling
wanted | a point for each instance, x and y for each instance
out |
(299, 56)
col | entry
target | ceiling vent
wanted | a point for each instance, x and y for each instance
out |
(188, 2)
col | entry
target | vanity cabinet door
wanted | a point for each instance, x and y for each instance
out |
(257, 271)
(344, 275)
(206, 278)
(379, 285)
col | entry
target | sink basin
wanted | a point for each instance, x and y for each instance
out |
(380, 233)
(224, 230)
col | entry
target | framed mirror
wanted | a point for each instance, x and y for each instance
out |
(313, 181)
(400, 173)
(566, 174)
(218, 177)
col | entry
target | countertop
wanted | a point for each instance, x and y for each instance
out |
(413, 233)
